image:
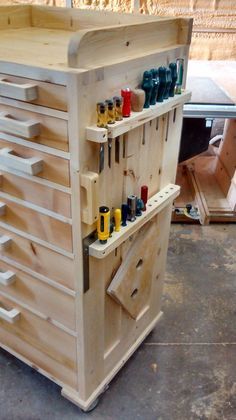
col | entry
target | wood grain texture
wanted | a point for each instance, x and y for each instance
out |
(40, 260)
(41, 195)
(55, 169)
(47, 94)
(37, 224)
(131, 284)
(34, 126)
(42, 297)
(100, 47)
(40, 342)
(47, 246)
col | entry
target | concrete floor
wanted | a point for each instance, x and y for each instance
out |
(185, 370)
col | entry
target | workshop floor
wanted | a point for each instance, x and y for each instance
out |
(185, 370)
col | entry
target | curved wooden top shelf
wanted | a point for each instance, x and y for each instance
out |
(63, 38)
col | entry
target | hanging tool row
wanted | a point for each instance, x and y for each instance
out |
(128, 213)
(157, 85)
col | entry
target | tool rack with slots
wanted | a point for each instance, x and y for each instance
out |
(72, 308)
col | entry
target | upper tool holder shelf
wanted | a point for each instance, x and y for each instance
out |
(100, 135)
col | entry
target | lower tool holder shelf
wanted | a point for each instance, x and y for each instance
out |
(154, 205)
(101, 135)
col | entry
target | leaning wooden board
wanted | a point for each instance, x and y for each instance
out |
(100, 302)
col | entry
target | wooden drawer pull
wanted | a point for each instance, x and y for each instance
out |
(2, 209)
(24, 92)
(27, 129)
(10, 316)
(89, 181)
(7, 278)
(5, 242)
(31, 166)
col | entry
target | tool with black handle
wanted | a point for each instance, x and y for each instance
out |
(173, 69)
(168, 83)
(162, 84)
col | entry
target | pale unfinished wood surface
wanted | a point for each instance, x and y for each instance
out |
(41, 233)
(55, 169)
(131, 284)
(41, 344)
(7, 278)
(38, 224)
(40, 260)
(47, 94)
(11, 316)
(41, 195)
(39, 295)
(95, 48)
(35, 127)
(210, 180)
(60, 45)
(23, 92)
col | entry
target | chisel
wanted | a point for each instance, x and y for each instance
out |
(109, 151)
(101, 157)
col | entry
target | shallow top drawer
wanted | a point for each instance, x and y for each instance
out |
(33, 91)
(34, 126)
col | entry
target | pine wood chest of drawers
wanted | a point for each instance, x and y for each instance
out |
(71, 307)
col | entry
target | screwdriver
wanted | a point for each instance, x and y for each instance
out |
(126, 108)
(117, 217)
(102, 114)
(103, 224)
(132, 205)
(180, 73)
(173, 69)
(144, 196)
(118, 102)
(140, 207)
(111, 111)
(124, 214)
(162, 84)
(147, 86)
(155, 79)
(168, 83)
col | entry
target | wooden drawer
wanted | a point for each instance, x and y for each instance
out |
(37, 258)
(52, 303)
(41, 195)
(32, 126)
(33, 91)
(34, 162)
(45, 346)
(47, 228)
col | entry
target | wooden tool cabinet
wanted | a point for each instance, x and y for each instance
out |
(71, 308)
